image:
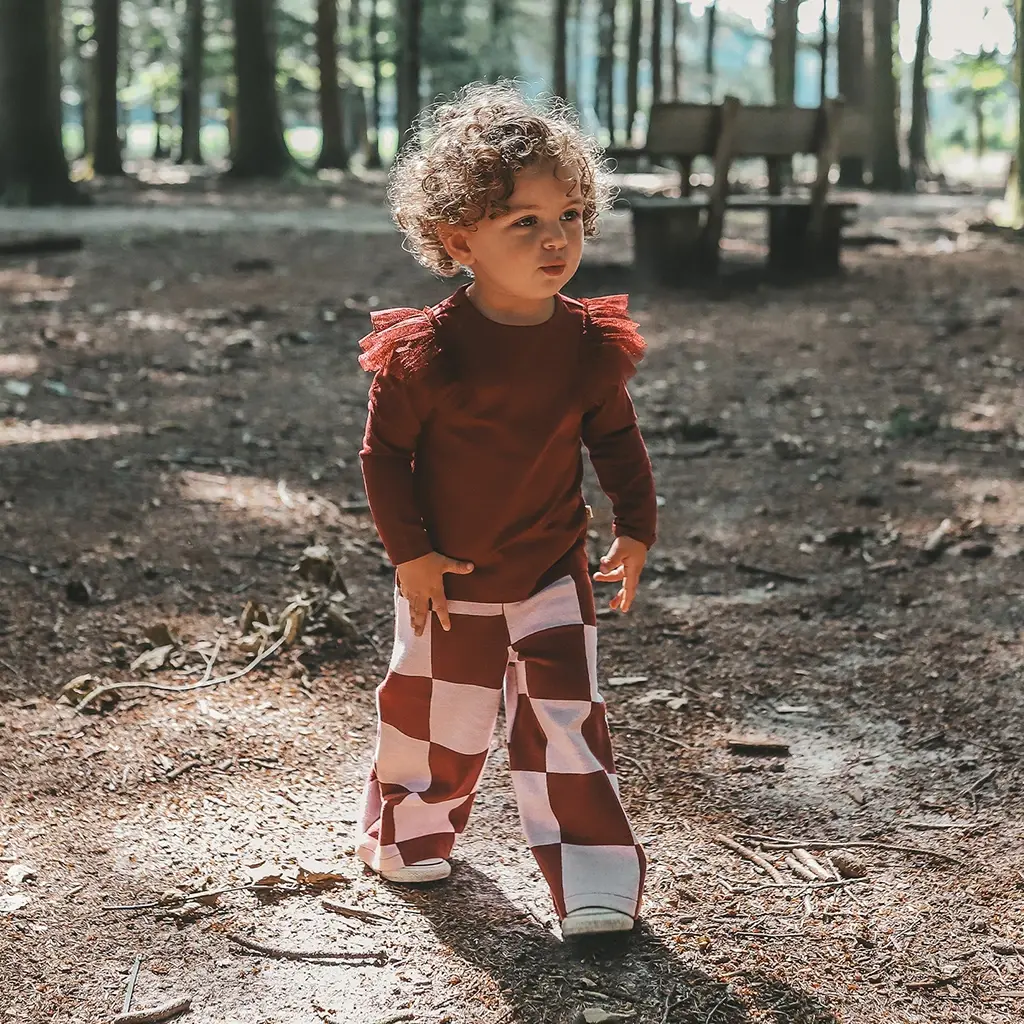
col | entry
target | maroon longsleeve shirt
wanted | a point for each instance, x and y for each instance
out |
(473, 443)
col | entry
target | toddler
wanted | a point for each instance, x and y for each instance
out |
(472, 460)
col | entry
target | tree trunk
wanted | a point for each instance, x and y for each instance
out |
(106, 143)
(373, 158)
(823, 52)
(606, 68)
(260, 150)
(356, 122)
(192, 84)
(852, 75)
(332, 148)
(917, 141)
(636, 20)
(1015, 185)
(677, 50)
(887, 174)
(657, 54)
(409, 66)
(709, 49)
(561, 44)
(33, 168)
(980, 146)
(84, 76)
(155, 101)
(784, 51)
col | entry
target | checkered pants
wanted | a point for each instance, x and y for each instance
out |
(437, 710)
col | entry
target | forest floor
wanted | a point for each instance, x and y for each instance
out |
(180, 414)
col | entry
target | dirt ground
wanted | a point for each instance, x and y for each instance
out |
(179, 418)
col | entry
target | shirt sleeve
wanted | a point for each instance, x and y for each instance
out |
(623, 467)
(393, 427)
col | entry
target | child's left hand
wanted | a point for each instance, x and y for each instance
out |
(624, 563)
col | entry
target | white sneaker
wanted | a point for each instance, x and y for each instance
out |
(432, 870)
(595, 921)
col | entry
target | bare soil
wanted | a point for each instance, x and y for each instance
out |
(191, 425)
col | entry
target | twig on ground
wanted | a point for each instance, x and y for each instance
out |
(379, 956)
(748, 854)
(668, 1003)
(801, 870)
(776, 843)
(837, 884)
(181, 769)
(775, 574)
(651, 732)
(230, 677)
(213, 658)
(625, 759)
(395, 1018)
(812, 865)
(14, 672)
(157, 1014)
(357, 912)
(187, 897)
(129, 991)
(974, 786)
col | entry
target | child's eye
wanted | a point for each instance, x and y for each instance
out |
(571, 215)
(525, 222)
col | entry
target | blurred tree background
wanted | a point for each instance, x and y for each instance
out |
(247, 84)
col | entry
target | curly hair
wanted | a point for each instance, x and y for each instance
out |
(461, 164)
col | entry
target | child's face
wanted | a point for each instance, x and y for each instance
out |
(531, 250)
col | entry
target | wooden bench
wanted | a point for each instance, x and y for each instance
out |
(678, 238)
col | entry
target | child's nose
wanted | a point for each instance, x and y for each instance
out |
(556, 238)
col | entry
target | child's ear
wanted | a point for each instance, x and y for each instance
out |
(455, 239)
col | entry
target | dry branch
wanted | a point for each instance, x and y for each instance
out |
(230, 677)
(157, 1014)
(775, 843)
(298, 954)
(748, 854)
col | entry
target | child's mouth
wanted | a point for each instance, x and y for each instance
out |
(554, 269)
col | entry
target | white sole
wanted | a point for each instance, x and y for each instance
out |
(595, 921)
(416, 874)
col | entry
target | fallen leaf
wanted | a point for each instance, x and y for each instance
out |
(17, 873)
(12, 904)
(151, 661)
(316, 872)
(160, 635)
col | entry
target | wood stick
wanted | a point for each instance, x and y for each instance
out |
(130, 988)
(297, 954)
(841, 883)
(775, 843)
(186, 897)
(651, 732)
(812, 865)
(748, 854)
(230, 677)
(181, 769)
(357, 912)
(799, 869)
(772, 574)
(154, 1016)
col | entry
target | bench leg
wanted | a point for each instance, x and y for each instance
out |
(791, 248)
(667, 245)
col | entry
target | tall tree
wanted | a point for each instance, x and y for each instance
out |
(159, 47)
(709, 48)
(409, 66)
(823, 53)
(657, 53)
(917, 140)
(1015, 184)
(636, 21)
(606, 67)
(677, 50)
(886, 172)
(333, 153)
(784, 36)
(259, 149)
(373, 157)
(561, 46)
(33, 168)
(106, 142)
(193, 48)
(852, 74)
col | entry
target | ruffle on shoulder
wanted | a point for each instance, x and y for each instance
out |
(616, 345)
(402, 342)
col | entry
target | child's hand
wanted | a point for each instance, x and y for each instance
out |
(624, 562)
(421, 583)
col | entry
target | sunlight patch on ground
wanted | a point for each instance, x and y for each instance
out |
(14, 432)
(19, 281)
(259, 498)
(992, 413)
(18, 364)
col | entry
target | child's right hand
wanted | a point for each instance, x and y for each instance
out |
(421, 583)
